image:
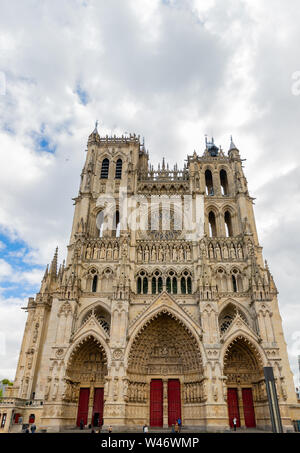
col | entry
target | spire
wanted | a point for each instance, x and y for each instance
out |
(95, 131)
(95, 134)
(232, 145)
(46, 273)
(53, 268)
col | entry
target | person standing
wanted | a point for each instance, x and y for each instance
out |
(179, 424)
(110, 429)
(234, 421)
(33, 428)
(81, 424)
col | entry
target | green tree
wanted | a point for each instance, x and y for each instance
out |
(6, 382)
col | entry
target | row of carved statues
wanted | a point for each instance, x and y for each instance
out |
(169, 252)
(164, 253)
(103, 251)
(222, 251)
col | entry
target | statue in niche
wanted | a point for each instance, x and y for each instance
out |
(188, 253)
(95, 254)
(211, 251)
(161, 254)
(225, 252)
(153, 254)
(116, 252)
(102, 252)
(218, 252)
(232, 251)
(202, 249)
(140, 255)
(174, 253)
(240, 251)
(109, 252)
(88, 252)
(146, 254)
(181, 254)
(167, 254)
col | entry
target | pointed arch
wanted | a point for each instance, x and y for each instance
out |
(170, 332)
(164, 303)
(247, 339)
(104, 168)
(118, 174)
(80, 340)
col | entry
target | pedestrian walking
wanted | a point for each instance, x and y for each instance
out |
(33, 428)
(110, 429)
(234, 421)
(81, 424)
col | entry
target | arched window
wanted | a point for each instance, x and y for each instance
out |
(142, 283)
(94, 284)
(174, 284)
(100, 223)
(228, 224)
(171, 282)
(237, 282)
(227, 316)
(224, 182)
(186, 283)
(212, 224)
(156, 283)
(168, 285)
(116, 224)
(209, 183)
(183, 285)
(139, 285)
(221, 280)
(234, 284)
(119, 169)
(104, 169)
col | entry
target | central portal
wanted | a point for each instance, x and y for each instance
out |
(164, 371)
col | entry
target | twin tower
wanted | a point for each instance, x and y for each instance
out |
(164, 308)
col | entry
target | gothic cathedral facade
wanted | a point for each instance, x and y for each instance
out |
(151, 324)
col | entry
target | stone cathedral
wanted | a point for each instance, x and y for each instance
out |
(145, 323)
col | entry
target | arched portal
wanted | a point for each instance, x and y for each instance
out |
(86, 372)
(164, 372)
(246, 392)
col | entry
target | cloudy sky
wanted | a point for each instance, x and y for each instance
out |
(171, 71)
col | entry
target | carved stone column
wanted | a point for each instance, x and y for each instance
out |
(165, 403)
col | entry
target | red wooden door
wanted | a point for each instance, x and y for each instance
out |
(248, 406)
(156, 402)
(97, 419)
(233, 407)
(83, 406)
(174, 401)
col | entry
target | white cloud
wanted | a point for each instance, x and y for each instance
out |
(11, 333)
(5, 269)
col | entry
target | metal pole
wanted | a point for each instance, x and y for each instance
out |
(273, 400)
